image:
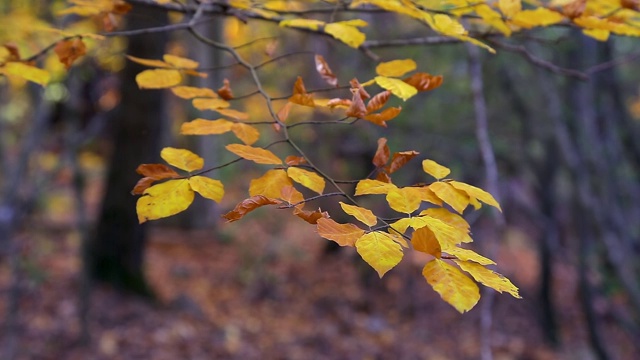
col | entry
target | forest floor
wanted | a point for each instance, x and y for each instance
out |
(266, 289)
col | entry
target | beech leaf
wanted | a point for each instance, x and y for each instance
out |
(382, 153)
(396, 68)
(246, 133)
(379, 251)
(368, 186)
(405, 200)
(158, 78)
(190, 92)
(255, 154)
(306, 178)
(208, 188)
(164, 200)
(271, 184)
(182, 159)
(247, 206)
(476, 193)
(325, 71)
(156, 171)
(399, 159)
(397, 87)
(362, 214)
(489, 278)
(453, 286)
(343, 234)
(452, 196)
(206, 127)
(434, 169)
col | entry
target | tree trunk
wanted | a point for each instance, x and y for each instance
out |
(116, 253)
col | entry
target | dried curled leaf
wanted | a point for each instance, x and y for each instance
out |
(357, 109)
(424, 81)
(400, 159)
(300, 95)
(70, 50)
(378, 101)
(325, 71)
(384, 116)
(381, 157)
(156, 171)
(225, 91)
(311, 217)
(247, 206)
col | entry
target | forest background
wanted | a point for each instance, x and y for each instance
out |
(548, 125)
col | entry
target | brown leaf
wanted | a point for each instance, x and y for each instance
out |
(142, 185)
(323, 69)
(270, 48)
(382, 153)
(356, 85)
(69, 50)
(377, 102)
(424, 81)
(399, 159)
(248, 205)
(338, 102)
(300, 95)
(14, 52)
(381, 118)
(157, 171)
(294, 160)
(357, 108)
(225, 91)
(384, 177)
(575, 8)
(311, 217)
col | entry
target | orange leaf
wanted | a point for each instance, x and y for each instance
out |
(69, 50)
(343, 234)
(384, 177)
(142, 185)
(357, 109)
(384, 116)
(424, 240)
(292, 196)
(247, 133)
(294, 160)
(323, 69)
(355, 84)
(206, 127)
(424, 81)
(255, 154)
(311, 217)
(156, 171)
(300, 95)
(225, 91)
(337, 102)
(377, 102)
(247, 206)
(362, 214)
(382, 154)
(283, 114)
(400, 159)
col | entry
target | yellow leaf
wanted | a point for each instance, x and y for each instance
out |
(509, 7)
(180, 62)
(182, 159)
(405, 200)
(467, 255)
(206, 127)
(493, 18)
(447, 216)
(424, 240)
(255, 154)
(538, 17)
(398, 238)
(158, 78)
(456, 198)
(395, 68)
(402, 225)
(270, 184)
(26, 72)
(476, 193)
(397, 87)
(247, 133)
(380, 251)
(302, 23)
(489, 278)
(190, 92)
(209, 188)
(210, 104)
(307, 179)
(448, 26)
(434, 169)
(343, 234)
(354, 22)
(349, 35)
(598, 34)
(362, 214)
(428, 195)
(149, 62)
(447, 235)
(164, 200)
(453, 286)
(368, 186)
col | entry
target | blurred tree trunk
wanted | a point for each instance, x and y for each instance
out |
(116, 253)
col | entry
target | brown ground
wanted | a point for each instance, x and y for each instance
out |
(263, 289)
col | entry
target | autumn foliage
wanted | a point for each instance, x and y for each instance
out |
(428, 213)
